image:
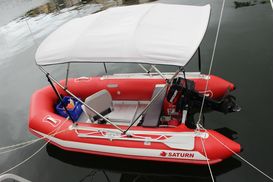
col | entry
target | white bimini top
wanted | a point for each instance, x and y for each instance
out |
(151, 33)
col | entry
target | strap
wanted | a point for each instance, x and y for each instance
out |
(105, 112)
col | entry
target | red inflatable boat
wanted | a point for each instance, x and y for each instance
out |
(140, 115)
(162, 141)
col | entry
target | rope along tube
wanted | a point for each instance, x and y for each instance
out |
(28, 158)
(207, 160)
(243, 159)
(202, 106)
(206, 87)
(53, 133)
(211, 61)
(19, 144)
(27, 143)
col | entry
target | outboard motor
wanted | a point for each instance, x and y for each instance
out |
(191, 100)
(228, 104)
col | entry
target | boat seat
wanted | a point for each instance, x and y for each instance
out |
(152, 116)
(101, 102)
(120, 112)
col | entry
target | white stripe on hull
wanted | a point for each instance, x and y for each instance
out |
(141, 152)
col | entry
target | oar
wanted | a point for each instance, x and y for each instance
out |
(180, 142)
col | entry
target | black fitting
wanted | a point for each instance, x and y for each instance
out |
(241, 149)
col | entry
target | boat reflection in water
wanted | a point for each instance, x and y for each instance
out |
(54, 6)
(137, 170)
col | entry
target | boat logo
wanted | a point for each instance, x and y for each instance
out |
(177, 154)
(163, 154)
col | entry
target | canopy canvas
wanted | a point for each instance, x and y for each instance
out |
(153, 33)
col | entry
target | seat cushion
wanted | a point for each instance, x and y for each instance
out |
(100, 101)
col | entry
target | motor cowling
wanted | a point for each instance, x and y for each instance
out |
(174, 94)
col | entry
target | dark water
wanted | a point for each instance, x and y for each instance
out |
(243, 56)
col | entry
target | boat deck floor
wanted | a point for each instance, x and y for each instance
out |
(124, 112)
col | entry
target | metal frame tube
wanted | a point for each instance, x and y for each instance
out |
(101, 116)
(66, 83)
(199, 59)
(105, 67)
(150, 69)
(158, 71)
(143, 68)
(71, 94)
(60, 97)
(146, 70)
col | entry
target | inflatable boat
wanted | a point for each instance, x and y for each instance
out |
(141, 116)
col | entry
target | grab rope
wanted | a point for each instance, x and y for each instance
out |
(27, 143)
(211, 63)
(206, 87)
(207, 160)
(31, 34)
(52, 133)
(19, 144)
(199, 126)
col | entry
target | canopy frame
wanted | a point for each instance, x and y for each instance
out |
(51, 79)
(74, 96)
(106, 71)
(199, 59)
(67, 75)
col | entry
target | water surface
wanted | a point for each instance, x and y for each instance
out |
(243, 56)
